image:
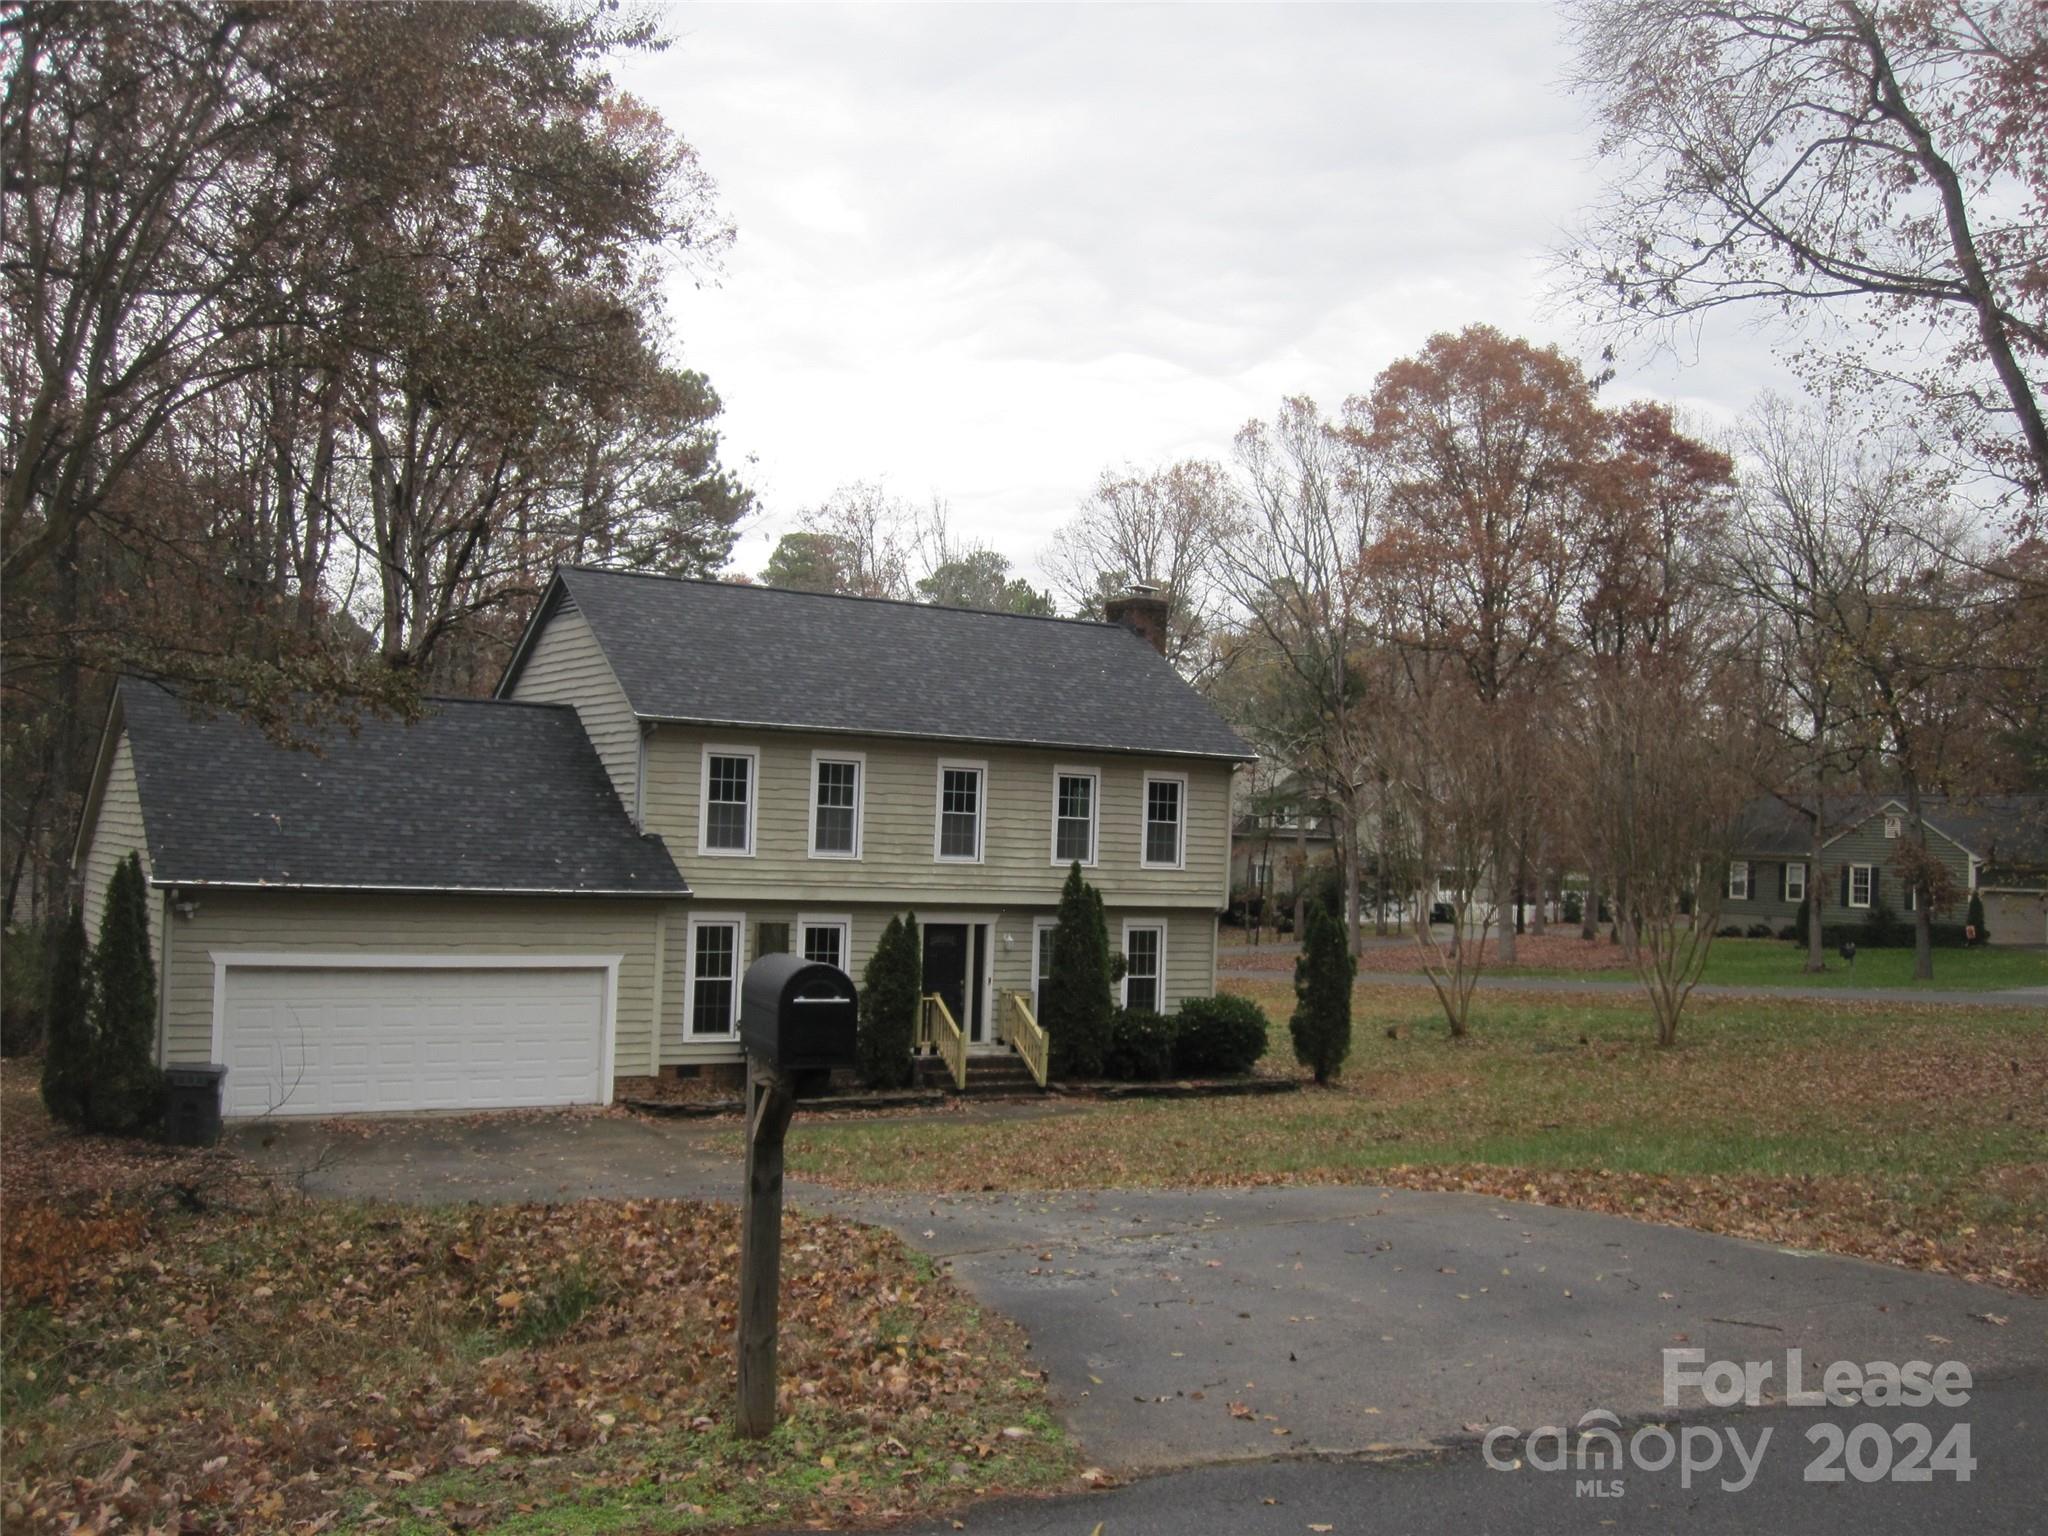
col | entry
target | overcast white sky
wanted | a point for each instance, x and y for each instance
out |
(985, 251)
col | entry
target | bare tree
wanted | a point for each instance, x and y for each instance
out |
(1162, 527)
(1876, 165)
(1295, 562)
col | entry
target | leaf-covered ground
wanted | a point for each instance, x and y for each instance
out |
(1902, 1132)
(272, 1363)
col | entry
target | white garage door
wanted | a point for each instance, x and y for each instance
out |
(337, 1040)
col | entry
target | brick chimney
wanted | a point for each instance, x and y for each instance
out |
(1142, 611)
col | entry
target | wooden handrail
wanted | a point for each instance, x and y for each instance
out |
(937, 1029)
(1024, 1032)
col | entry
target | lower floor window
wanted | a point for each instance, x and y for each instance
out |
(1861, 878)
(1144, 967)
(1795, 882)
(825, 941)
(714, 972)
(1738, 881)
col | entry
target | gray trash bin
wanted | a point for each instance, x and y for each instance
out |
(192, 1107)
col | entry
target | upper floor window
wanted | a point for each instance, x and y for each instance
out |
(1738, 881)
(961, 809)
(1893, 826)
(1075, 796)
(1795, 882)
(727, 825)
(1165, 813)
(836, 806)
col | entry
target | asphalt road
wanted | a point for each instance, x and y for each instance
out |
(1457, 1493)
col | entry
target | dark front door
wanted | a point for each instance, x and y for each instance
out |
(945, 967)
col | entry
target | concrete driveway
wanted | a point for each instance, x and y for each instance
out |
(1184, 1327)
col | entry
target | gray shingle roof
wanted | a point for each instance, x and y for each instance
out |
(475, 796)
(2008, 830)
(716, 653)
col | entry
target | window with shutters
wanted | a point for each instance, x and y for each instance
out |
(1738, 881)
(1795, 882)
(1862, 881)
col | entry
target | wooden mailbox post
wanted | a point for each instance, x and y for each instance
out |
(797, 1020)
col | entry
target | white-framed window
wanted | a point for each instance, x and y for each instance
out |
(1912, 897)
(1862, 881)
(1259, 872)
(711, 989)
(729, 797)
(1042, 929)
(1738, 880)
(1166, 812)
(838, 786)
(962, 812)
(1076, 813)
(825, 940)
(1145, 966)
(1893, 826)
(1795, 882)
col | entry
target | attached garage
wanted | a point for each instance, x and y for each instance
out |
(451, 914)
(301, 1035)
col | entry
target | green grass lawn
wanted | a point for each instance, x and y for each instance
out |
(1902, 1131)
(1776, 963)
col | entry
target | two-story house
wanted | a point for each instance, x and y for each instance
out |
(519, 901)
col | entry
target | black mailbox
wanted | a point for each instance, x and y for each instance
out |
(798, 1015)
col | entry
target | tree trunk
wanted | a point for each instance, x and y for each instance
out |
(1501, 867)
(1300, 870)
(1589, 915)
(1816, 940)
(1923, 917)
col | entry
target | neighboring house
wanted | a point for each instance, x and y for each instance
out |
(1991, 845)
(1277, 837)
(488, 908)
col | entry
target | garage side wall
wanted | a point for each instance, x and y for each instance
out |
(116, 833)
(400, 924)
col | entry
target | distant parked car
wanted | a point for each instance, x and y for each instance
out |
(1441, 913)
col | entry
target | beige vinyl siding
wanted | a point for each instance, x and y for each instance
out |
(899, 811)
(398, 924)
(117, 832)
(1190, 950)
(567, 666)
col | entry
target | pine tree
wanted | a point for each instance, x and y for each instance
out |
(1321, 1025)
(1074, 1001)
(67, 1050)
(125, 1091)
(889, 1001)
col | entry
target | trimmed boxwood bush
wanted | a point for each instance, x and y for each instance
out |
(1759, 931)
(1219, 1036)
(1140, 1046)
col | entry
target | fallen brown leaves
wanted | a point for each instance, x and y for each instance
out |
(1402, 956)
(280, 1364)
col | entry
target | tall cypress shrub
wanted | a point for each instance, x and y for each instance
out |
(1321, 1025)
(125, 1091)
(67, 1049)
(888, 1007)
(1974, 918)
(1074, 1000)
